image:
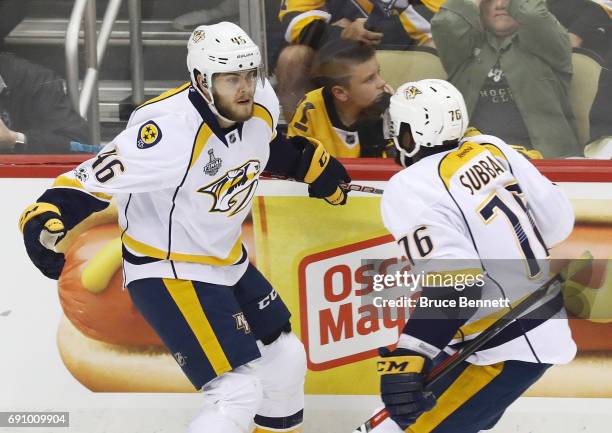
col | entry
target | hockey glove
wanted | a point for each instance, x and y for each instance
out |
(42, 228)
(324, 174)
(402, 374)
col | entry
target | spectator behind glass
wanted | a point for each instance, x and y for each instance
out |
(309, 24)
(35, 114)
(215, 11)
(589, 24)
(511, 59)
(601, 112)
(345, 114)
(11, 14)
(586, 21)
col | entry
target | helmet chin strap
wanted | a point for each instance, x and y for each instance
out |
(403, 156)
(211, 103)
(403, 152)
(404, 160)
(213, 108)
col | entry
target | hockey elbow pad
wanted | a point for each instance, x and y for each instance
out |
(42, 227)
(527, 153)
(322, 172)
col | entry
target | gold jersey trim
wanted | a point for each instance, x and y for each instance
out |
(472, 380)
(67, 182)
(200, 143)
(165, 95)
(455, 160)
(151, 251)
(262, 113)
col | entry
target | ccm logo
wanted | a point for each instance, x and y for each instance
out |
(392, 366)
(268, 299)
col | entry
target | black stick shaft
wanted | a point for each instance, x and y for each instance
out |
(548, 289)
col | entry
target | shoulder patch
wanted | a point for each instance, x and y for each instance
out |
(149, 135)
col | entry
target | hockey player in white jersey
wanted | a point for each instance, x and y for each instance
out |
(470, 208)
(183, 174)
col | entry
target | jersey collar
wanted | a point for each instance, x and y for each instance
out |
(328, 99)
(209, 118)
(424, 152)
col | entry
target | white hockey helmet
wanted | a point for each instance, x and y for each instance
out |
(435, 111)
(219, 48)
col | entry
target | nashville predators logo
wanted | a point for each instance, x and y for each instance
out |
(234, 191)
(412, 92)
(198, 36)
(148, 135)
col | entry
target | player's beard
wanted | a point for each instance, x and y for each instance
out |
(233, 111)
(376, 108)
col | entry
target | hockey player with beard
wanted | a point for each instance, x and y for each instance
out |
(183, 174)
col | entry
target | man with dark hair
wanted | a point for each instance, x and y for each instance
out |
(183, 174)
(345, 112)
(35, 113)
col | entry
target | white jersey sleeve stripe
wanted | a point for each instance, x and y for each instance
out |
(68, 180)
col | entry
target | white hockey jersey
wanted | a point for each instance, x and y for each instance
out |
(183, 186)
(483, 208)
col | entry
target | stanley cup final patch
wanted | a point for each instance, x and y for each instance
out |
(149, 135)
(212, 167)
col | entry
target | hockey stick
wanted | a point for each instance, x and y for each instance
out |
(345, 186)
(541, 295)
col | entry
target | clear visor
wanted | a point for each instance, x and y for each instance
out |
(232, 82)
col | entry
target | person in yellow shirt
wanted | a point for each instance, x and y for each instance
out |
(307, 25)
(346, 112)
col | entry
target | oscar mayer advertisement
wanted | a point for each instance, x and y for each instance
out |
(315, 259)
(313, 254)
